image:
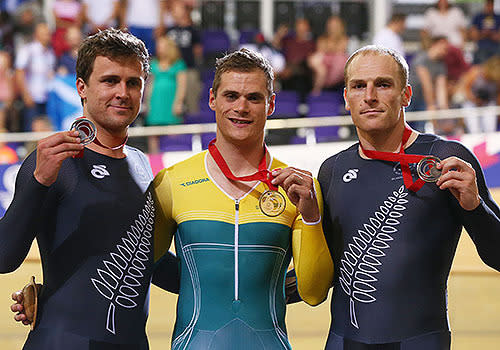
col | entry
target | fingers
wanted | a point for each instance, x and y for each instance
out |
(290, 176)
(18, 296)
(60, 137)
(454, 168)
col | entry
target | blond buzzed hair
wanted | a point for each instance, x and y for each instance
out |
(380, 51)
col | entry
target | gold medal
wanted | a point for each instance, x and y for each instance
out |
(426, 169)
(272, 203)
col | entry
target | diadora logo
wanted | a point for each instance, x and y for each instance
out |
(99, 171)
(351, 174)
(194, 182)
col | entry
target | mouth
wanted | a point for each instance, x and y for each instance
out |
(370, 111)
(121, 108)
(240, 121)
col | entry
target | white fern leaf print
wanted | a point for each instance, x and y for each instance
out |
(363, 258)
(119, 279)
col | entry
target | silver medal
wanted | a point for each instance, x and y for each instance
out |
(86, 128)
(426, 169)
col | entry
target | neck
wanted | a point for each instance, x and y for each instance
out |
(241, 159)
(385, 141)
(110, 140)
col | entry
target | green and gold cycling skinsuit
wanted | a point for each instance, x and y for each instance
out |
(234, 260)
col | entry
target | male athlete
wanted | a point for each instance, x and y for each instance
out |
(90, 213)
(235, 230)
(391, 234)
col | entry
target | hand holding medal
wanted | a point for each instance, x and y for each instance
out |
(299, 187)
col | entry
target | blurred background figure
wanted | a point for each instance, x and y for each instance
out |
(167, 87)
(428, 78)
(485, 32)
(327, 62)
(445, 20)
(66, 13)
(261, 45)
(390, 36)
(7, 154)
(142, 18)
(26, 16)
(187, 38)
(481, 87)
(66, 64)
(296, 47)
(6, 88)
(35, 64)
(99, 14)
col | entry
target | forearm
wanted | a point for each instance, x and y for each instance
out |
(19, 225)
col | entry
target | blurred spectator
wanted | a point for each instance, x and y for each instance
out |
(444, 20)
(481, 87)
(390, 36)
(6, 87)
(27, 16)
(485, 31)
(428, 80)
(266, 49)
(167, 88)
(66, 64)
(63, 102)
(187, 38)
(66, 13)
(297, 47)
(143, 19)
(41, 123)
(328, 61)
(7, 154)
(100, 14)
(35, 63)
(6, 32)
(456, 66)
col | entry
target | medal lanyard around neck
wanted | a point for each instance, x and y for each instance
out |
(403, 158)
(262, 174)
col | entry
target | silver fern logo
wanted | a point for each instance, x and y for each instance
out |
(362, 261)
(120, 278)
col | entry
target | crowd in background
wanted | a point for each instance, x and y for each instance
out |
(37, 61)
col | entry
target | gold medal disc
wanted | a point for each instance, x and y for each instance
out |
(272, 203)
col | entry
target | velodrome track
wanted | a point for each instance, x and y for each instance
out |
(473, 291)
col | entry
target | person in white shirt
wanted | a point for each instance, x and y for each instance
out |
(35, 64)
(445, 20)
(100, 14)
(390, 36)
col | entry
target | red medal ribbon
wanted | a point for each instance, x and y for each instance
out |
(403, 158)
(263, 174)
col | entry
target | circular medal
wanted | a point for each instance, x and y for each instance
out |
(86, 129)
(426, 169)
(272, 203)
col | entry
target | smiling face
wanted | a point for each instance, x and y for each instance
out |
(374, 93)
(242, 105)
(112, 96)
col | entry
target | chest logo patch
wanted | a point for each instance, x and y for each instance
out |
(351, 174)
(99, 171)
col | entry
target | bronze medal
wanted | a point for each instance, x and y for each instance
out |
(272, 203)
(426, 169)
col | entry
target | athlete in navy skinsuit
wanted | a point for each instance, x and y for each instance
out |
(393, 247)
(92, 216)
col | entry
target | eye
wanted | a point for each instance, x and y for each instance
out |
(358, 85)
(231, 96)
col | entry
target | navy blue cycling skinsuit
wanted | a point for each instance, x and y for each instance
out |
(393, 248)
(94, 228)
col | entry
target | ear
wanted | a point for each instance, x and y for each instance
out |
(347, 107)
(211, 100)
(407, 92)
(81, 87)
(272, 105)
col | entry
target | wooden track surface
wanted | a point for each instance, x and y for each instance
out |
(474, 307)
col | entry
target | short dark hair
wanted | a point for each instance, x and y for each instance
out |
(380, 51)
(111, 43)
(397, 17)
(243, 60)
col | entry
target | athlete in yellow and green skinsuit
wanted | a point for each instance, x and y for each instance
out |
(234, 260)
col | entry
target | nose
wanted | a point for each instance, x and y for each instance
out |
(241, 105)
(122, 91)
(370, 93)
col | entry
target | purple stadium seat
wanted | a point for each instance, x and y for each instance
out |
(170, 143)
(206, 138)
(215, 41)
(204, 116)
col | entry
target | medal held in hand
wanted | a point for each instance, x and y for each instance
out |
(87, 130)
(427, 170)
(271, 202)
